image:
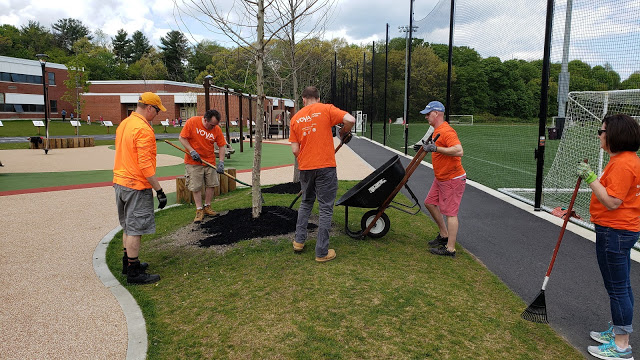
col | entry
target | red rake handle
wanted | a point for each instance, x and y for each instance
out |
(564, 225)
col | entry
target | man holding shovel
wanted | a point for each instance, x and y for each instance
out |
(312, 144)
(198, 136)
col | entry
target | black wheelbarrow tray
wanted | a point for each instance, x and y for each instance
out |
(377, 191)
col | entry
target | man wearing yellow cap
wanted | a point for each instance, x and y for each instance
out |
(134, 175)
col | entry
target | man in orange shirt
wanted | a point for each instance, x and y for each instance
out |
(312, 145)
(198, 136)
(447, 188)
(134, 175)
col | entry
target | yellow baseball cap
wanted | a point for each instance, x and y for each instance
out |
(150, 98)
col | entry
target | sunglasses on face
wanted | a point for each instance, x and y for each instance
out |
(601, 131)
(157, 108)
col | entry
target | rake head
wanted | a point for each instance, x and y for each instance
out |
(537, 311)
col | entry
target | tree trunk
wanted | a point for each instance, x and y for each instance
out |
(257, 152)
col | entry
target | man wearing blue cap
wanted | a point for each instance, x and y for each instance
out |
(450, 180)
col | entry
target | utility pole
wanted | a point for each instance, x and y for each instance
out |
(405, 29)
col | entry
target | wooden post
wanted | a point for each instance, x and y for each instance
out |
(183, 195)
(76, 142)
(91, 142)
(232, 183)
(224, 184)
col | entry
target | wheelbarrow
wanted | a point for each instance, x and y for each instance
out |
(378, 191)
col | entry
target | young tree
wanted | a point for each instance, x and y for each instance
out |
(175, 49)
(139, 46)
(122, 46)
(77, 83)
(252, 25)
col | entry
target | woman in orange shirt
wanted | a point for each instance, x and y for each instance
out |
(615, 212)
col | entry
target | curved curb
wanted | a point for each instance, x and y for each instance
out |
(136, 326)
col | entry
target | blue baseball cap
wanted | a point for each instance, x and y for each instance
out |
(433, 106)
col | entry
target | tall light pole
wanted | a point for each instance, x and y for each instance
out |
(43, 62)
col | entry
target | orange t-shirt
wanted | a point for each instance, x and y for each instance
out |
(446, 167)
(136, 151)
(621, 178)
(311, 128)
(202, 140)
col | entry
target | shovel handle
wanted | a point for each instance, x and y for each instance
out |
(208, 163)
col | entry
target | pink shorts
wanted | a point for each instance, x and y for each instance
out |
(447, 195)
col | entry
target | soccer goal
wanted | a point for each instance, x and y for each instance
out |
(585, 111)
(461, 119)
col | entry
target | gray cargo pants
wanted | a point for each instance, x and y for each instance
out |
(323, 184)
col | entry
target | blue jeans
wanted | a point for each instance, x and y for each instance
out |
(613, 250)
(323, 184)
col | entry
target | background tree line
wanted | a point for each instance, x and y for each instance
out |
(487, 86)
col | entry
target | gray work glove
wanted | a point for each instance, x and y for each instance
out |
(429, 146)
(162, 199)
(195, 156)
(220, 167)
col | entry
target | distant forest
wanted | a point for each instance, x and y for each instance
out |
(486, 86)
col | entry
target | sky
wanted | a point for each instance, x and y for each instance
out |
(603, 31)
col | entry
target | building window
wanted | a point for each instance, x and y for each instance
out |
(22, 78)
(53, 106)
(52, 78)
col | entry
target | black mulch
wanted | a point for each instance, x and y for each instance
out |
(239, 225)
(286, 188)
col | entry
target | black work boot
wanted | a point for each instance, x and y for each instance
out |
(135, 275)
(125, 264)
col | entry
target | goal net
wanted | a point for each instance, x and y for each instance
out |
(461, 119)
(585, 111)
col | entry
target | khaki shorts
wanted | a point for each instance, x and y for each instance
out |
(198, 176)
(135, 210)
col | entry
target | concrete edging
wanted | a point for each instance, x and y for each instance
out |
(136, 326)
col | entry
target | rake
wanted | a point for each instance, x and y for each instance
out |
(537, 311)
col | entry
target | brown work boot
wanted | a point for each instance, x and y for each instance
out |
(199, 216)
(330, 256)
(297, 247)
(209, 211)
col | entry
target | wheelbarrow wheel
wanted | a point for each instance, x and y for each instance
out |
(380, 228)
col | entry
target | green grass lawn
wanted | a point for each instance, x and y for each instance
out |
(277, 155)
(379, 299)
(494, 155)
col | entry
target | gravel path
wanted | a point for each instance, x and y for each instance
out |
(53, 304)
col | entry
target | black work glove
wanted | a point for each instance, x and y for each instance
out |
(345, 136)
(195, 156)
(417, 146)
(162, 199)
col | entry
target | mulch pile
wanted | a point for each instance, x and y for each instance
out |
(239, 225)
(286, 188)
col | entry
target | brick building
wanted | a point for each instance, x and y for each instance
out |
(21, 96)
(21, 92)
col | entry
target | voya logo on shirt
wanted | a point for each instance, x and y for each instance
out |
(206, 134)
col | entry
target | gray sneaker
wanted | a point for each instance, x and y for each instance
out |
(610, 352)
(603, 337)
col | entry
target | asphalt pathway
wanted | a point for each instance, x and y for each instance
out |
(517, 246)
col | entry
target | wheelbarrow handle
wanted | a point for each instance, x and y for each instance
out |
(208, 163)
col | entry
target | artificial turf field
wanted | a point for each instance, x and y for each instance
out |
(273, 155)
